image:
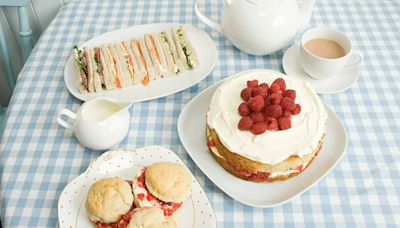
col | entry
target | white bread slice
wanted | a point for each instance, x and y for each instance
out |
(96, 75)
(125, 59)
(191, 54)
(81, 75)
(179, 50)
(112, 63)
(184, 47)
(122, 66)
(163, 61)
(128, 60)
(107, 68)
(154, 55)
(87, 60)
(173, 62)
(148, 64)
(135, 47)
(130, 57)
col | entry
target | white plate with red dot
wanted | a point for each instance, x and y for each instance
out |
(192, 132)
(195, 211)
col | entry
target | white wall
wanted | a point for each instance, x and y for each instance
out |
(40, 13)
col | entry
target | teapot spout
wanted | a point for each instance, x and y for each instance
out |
(306, 12)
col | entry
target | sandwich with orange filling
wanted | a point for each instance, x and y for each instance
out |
(142, 54)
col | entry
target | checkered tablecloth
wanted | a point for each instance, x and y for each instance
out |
(38, 157)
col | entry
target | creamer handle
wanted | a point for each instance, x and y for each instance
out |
(68, 113)
(205, 20)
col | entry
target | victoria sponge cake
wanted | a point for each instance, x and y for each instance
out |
(265, 126)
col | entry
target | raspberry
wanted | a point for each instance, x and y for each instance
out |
(299, 168)
(246, 94)
(244, 109)
(264, 86)
(256, 103)
(245, 123)
(284, 123)
(290, 93)
(274, 88)
(257, 117)
(287, 104)
(253, 83)
(274, 111)
(287, 114)
(275, 98)
(272, 124)
(296, 110)
(259, 91)
(259, 128)
(281, 83)
(267, 102)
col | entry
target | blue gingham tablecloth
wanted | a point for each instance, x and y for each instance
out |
(38, 157)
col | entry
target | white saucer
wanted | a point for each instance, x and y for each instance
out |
(334, 84)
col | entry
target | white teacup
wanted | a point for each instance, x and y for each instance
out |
(322, 68)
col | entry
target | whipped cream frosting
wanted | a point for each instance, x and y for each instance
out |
(270, 147)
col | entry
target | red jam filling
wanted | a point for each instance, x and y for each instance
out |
(123, 222)
(210, 143)
(259, 176)
(168, 207)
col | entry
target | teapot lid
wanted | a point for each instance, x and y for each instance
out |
(263, 2)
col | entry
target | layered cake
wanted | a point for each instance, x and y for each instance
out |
(264, 126)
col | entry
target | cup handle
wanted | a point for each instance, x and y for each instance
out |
(67, 113)
(206, 20)
(359, 58)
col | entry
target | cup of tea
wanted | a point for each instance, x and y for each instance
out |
(325, 52)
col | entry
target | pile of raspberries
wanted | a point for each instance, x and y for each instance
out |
(267, 107)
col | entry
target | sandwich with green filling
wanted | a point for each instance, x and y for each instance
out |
(185, 50)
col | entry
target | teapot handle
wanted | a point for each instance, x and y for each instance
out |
(206, 20)
(306, 8)
(68, 113)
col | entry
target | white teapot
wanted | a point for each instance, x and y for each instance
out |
(261, 27)
(100, 123)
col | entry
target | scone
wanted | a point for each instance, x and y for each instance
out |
(165, 185)
(110, 201)
(151, 217)
(265, 126)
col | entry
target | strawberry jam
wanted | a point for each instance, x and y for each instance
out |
(168, 207)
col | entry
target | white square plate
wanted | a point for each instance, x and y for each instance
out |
(192, 130)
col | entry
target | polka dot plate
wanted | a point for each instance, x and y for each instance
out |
(195, 212)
